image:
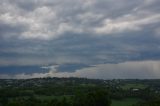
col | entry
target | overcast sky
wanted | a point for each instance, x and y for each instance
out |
(84, 32)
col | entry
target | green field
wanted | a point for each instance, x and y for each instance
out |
(125, 102)
(41, 97)
(129, 86)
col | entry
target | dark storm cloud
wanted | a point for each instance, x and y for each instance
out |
(11, 29)
(90, 32)
(84, 49)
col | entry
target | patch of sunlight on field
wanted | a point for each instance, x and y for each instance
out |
(129, 86)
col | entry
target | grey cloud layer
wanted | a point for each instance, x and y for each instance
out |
(37, 32)
(45, 19)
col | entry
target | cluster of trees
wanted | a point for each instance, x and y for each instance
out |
(96, 97)
(93, 98)
(152, 102)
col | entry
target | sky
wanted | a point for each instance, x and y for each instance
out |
(82, 38)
